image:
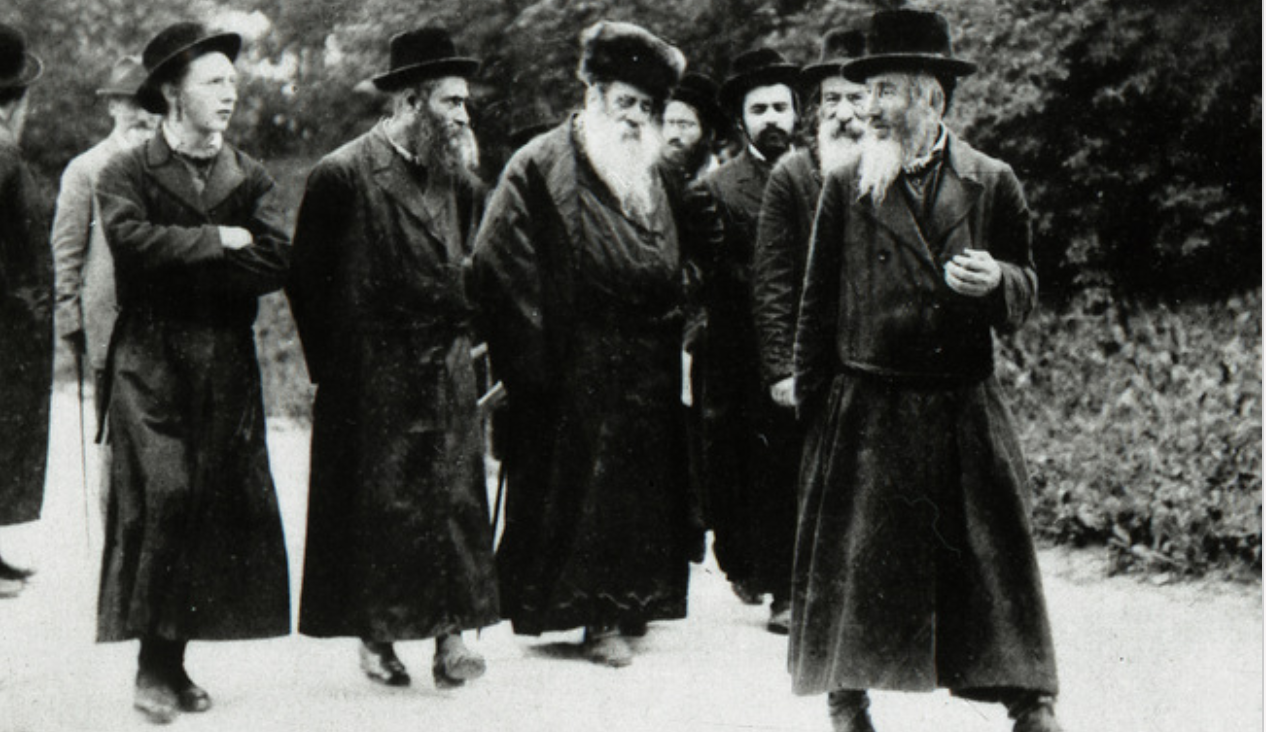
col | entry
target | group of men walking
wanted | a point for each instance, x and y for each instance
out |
(826, 309)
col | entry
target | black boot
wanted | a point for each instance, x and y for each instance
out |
(849, 710)
(190, 696)
(155, 697)
(379, 662)
(1033, 712)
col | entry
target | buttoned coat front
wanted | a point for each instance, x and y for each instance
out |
(915, 565)
(194, 546)
(399, 543)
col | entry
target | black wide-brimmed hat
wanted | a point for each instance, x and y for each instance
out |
(752, 69)
(423, 54)
(19, 68)
(126, 77)
(839, 46)
(171, 50)
(908, 40)
(613, 51)
(700, 92)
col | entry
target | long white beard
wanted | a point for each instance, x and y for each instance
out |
(625, 163)
(881, 162)
(835, 148)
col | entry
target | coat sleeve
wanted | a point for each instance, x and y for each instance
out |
(819, 302)
(71, 222)
(507, 266)
(136, 241)
(320, 229)
(773, 276)
(1012, 236)
(261, 267)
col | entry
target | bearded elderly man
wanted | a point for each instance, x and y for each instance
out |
(915, 566)
(751, 446)
(790, 202)
(399, 546)
(580, 275)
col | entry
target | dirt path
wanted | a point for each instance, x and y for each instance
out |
(1133, 656)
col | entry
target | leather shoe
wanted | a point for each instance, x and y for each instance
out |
(850, 711)
(747, 594)
(155, 699)
(10, 572)
(379, 662)
(193, 698)
(455, 664)
(11, 587)
(1040, 718)
(608, 649)
(779, 619)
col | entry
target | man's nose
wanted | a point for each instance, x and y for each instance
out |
(462, 115)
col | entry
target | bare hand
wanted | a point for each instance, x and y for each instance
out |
(784, 392)
(974, 273)
(235, 237)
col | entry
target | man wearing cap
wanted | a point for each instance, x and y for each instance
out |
(194, 547)
(791, 200)
(399, 545)
(915, 566)
(692, 122)
(86, 306)
(579, 267)
(26, 295)
(750, 444)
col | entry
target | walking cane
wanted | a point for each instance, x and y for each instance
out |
(83, 450)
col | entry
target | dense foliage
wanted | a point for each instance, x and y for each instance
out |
(1143, 429)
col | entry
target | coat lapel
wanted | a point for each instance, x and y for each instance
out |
(955, 199)
(400, 186)
(226, 176)
(894, 215)
(171, 174)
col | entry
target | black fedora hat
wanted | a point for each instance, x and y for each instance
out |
(616, 51)
(839, 46)
(700, 92)
(173, 48)
(126, 77)
(908, 40)
(19, 68)
(752, 69)
(422, 54)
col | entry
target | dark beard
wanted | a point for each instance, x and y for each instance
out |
(690, 161)
(772, 142)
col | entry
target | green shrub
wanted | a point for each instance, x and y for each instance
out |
(1142, 426)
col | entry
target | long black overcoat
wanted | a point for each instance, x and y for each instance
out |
(787, 209)
(915, 565)
(584, 313)
(750, 445)
(399, 544)
(194, 546)
(26, 338)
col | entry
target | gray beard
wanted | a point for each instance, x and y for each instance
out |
(881, 162)
(834, 151)
(454, 156)
(625, 165)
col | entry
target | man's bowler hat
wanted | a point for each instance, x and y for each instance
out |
(839, 46)
(752, 69)
(700, 92)
(908, 40)
(19, 68)
(171, 50)
(126, 77)
(422, 54)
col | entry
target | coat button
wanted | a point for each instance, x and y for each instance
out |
(883, 256)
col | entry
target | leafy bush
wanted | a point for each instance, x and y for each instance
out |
(1142, 425)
